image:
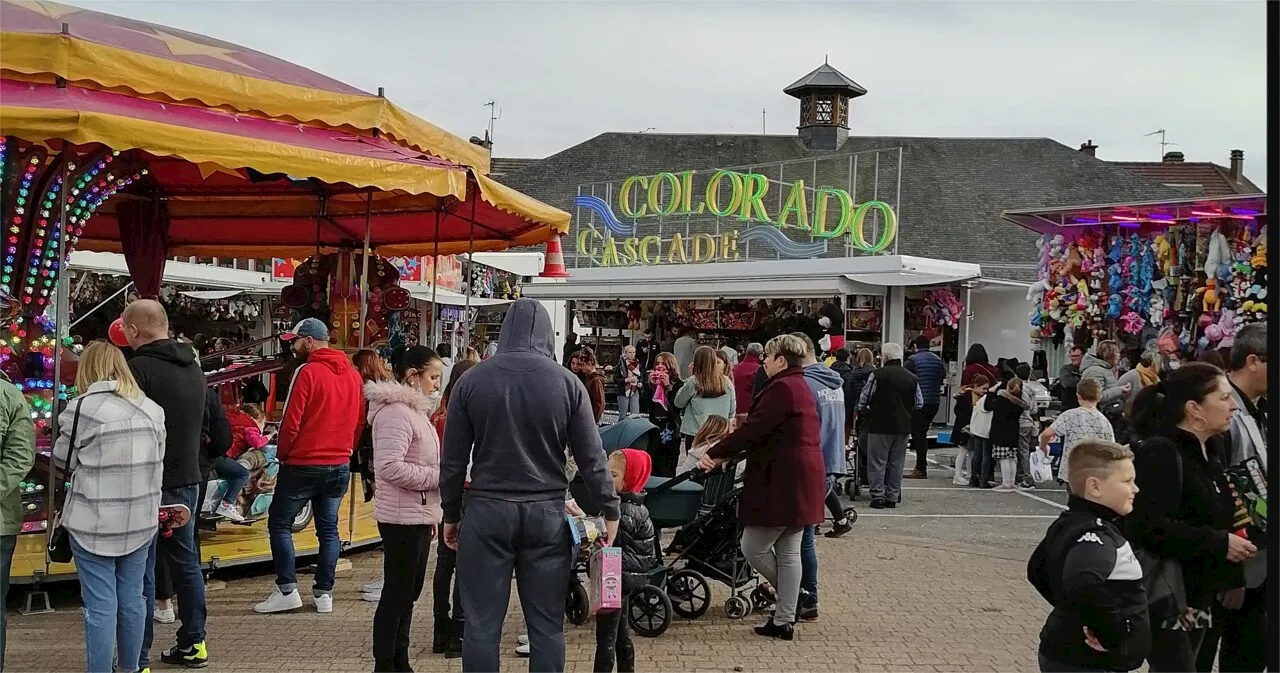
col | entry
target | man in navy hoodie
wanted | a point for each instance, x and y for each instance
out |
(828, 392)
(512, 416)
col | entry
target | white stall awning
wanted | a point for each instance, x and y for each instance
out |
(423, 291)
(180, 273)
(776, 279)
(518, 263)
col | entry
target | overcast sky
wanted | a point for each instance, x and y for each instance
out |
(562, 72)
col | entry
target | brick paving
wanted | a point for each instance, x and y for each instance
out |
(889, 603)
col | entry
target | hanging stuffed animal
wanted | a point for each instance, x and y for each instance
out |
(1211, 303)
(1218, 253)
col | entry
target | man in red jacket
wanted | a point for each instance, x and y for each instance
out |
(744, 374)
(323, 418)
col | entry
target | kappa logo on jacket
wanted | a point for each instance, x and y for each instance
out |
(1090, 537)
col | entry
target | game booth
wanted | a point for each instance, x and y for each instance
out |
(259, 159)
(1180, 276)
(712, 254)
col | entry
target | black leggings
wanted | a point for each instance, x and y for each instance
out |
(443, 579)
(834, 506)
(613, 641)
(404, 568)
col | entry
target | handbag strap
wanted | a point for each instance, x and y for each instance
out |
(71, 446)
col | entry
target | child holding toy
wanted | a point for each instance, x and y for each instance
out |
(630, 469)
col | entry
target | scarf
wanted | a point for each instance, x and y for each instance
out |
(1149, 376)
(633, 371)
(660, 381)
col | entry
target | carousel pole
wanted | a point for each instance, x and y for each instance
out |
(364, 308)
(436, 334)
(61, 313)
(471, 243)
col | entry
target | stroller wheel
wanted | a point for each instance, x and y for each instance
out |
(852, 515)
(578, 605)
(649, 612)
(690, 593)
(737, 607)
(762, 599)
(848, 486)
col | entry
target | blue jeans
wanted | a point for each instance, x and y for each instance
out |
(808, 568)
(979, 461)
(235, 474)
(324, 487)
(115, 613)
(181, 554)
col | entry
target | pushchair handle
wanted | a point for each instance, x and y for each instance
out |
(692, 475)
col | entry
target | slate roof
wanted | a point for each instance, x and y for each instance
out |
(1214, 180)
(952, 195)
(825, 77)
(499, 166)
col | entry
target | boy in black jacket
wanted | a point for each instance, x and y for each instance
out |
(630, 469)
(1086, 569)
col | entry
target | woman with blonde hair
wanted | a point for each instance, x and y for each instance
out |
(373, 369)
(112, 440)
(709, 392)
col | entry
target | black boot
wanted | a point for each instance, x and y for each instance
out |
(772, 629)
(402, 662)
(440, 635)
(454, 648)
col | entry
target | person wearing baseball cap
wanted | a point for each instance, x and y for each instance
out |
(323, 419)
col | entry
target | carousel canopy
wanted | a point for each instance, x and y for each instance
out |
(92, 50)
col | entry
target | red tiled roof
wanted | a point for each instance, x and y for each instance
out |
(1214, 179)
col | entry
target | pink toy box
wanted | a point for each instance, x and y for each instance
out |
(605, 588)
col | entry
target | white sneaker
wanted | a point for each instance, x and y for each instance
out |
(1004, 489)
(372, 587)
(522, 650)
(324, 604)
(229, 512)
(960, 480)
(164, 616)
(371, 596)
(278, 602)
(522, 639)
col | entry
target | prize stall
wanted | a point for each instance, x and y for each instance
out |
(1180, 276)
(261, 159)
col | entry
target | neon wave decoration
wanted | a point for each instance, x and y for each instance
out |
(785, 246)
(602, 210)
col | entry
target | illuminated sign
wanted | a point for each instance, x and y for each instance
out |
(824, 213)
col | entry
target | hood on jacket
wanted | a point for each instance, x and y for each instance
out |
(332, 359)
(527, 328)
(167, 350)
(380, 394)
(841, 367)
(823, 375)
(1091, 360)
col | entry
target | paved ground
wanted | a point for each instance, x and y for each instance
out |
(936, 585)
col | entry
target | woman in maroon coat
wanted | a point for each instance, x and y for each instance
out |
(784, 485)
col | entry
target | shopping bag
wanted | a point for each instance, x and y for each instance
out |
(605, 587)
(1041, 470)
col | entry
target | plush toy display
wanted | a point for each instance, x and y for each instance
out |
(1198, 282)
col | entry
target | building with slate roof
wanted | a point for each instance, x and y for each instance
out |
(948, 193)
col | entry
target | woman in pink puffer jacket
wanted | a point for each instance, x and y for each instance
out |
(406, 471)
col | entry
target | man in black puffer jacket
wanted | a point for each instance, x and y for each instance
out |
(630, 469)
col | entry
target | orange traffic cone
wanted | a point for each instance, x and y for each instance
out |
(553, 267)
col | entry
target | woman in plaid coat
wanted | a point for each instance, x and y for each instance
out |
(115, 437)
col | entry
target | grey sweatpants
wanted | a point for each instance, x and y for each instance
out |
(531, 539)
(775, 554)
(886, 455)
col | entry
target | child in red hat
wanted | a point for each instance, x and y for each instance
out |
(630, 469)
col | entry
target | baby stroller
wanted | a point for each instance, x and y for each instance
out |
(850, 485)
(650, 608)
(706, 546)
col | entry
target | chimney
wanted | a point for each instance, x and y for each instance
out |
(1089, 148)
(1173, 157)
(1237, 165)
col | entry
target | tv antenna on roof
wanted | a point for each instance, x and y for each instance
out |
(646, 130)
(1163, 142)
(495, 113)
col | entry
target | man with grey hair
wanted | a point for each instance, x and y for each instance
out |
(1241, 627)
(892, 395)
(744, 376)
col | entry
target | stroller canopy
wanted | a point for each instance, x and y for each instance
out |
(629, 433)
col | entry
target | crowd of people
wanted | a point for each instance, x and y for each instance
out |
(495, 441)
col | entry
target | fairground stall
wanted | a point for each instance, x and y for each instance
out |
(1180, 275)
(744, 254)
(259, 159)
